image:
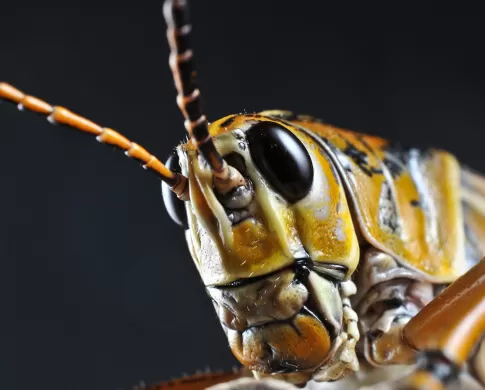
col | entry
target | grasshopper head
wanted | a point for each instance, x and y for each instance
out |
(274, 249)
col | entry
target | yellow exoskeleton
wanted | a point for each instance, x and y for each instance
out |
(325, 252)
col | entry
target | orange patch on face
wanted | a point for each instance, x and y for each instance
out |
(308, 347)
(253, 243)
(303, 345)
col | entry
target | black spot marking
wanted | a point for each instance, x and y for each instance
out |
(361, 138)
(415, 203)
(361, 159)
(228, 121)
(394, 166)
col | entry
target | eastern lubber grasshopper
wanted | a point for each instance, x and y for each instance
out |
(282, 206)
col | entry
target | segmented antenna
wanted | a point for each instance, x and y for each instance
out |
(181, 62)
(61, 115)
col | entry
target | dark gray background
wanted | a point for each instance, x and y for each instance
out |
(97, 287)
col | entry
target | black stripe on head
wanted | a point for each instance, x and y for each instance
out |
(228, 121)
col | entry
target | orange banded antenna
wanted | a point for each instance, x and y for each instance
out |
(61, 115)
(176, 13)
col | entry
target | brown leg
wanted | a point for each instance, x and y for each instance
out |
(388, 348)
(447, 330)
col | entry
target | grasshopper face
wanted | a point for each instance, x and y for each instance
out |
(273, 251)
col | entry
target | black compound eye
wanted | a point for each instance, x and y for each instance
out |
(175, 207)
(282, 159)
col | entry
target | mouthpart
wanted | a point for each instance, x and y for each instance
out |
(284, 322)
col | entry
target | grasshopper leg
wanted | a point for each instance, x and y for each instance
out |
(447, 331)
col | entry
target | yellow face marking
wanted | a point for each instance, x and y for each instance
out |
(323, 219)
(224, 253)
(256, 248)
(320, 224)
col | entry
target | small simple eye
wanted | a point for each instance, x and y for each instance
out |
(175, 207)
(282, 159)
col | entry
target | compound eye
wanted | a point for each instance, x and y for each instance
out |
(282, 159)
(175, 207)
